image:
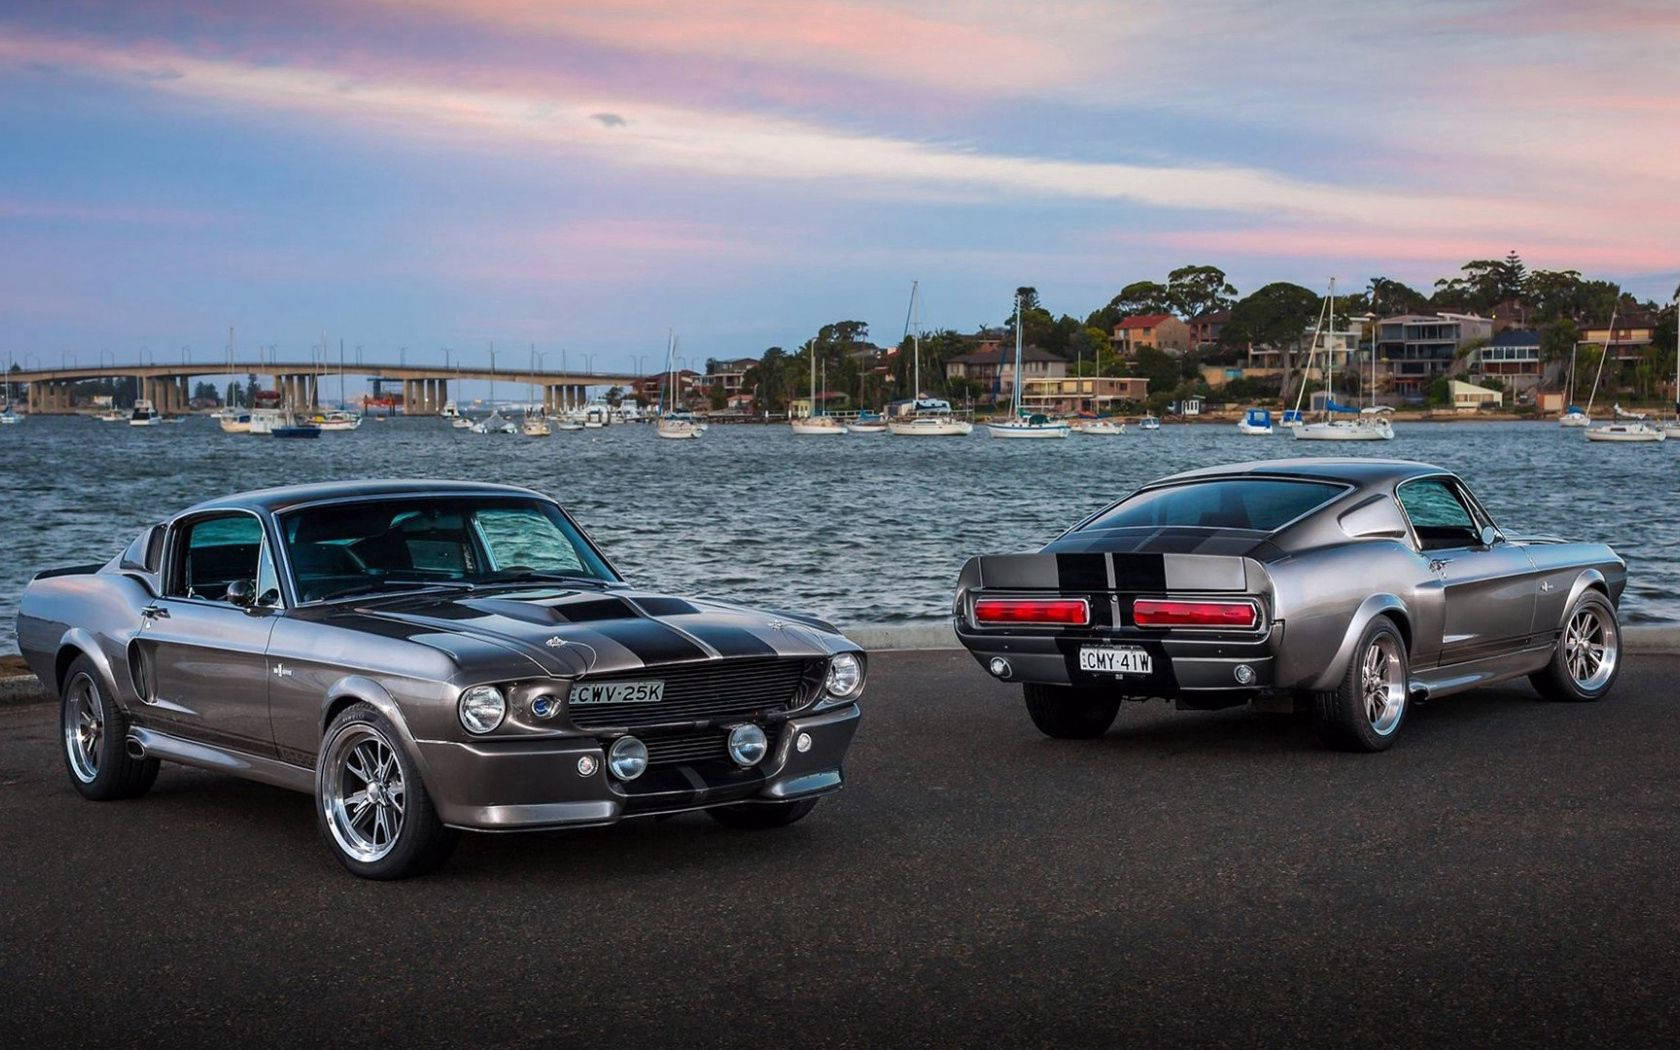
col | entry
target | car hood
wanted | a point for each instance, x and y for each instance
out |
(567, 632)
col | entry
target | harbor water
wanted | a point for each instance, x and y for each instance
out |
(860, 529)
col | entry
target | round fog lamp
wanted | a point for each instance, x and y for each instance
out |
(803, 743)
(845, 676)
(628, 758)
(747, 745)
(1245, 674)
(544, 706)
(586, 766)
(482, 708)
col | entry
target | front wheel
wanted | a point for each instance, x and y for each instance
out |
(1069, 713)
(1588, 656)
(757, 816)
(373, 810)
(96, 740)
(1366, 708)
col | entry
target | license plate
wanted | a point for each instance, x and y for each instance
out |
(650, 692)
(1114, 659)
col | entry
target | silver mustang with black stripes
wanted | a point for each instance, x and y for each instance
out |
(424, 657)
(1348, 588)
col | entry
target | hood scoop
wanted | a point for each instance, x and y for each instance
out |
(571, 608)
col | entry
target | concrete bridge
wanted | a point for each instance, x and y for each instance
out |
(424, 389)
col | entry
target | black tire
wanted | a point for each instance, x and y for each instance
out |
(757, 816)
(1586, 675)
(1066, 712)
(93, 737)
(414, 840)
(1356, 716)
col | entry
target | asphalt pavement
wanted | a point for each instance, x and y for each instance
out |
(1505, 874)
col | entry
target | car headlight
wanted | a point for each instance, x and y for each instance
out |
(845, 676)
(482, 708)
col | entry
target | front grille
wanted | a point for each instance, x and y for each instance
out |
(695, 745)
(719, 690)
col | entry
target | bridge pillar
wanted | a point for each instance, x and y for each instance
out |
(442, 394)
(429, 392)
(411, 406)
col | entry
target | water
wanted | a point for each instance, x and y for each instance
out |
(860, 529)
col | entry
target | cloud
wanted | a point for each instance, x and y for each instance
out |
(609, 120)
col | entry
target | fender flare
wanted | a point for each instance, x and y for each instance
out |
(1583, 582)
(359, 688)
(1372, 607)
(83, 641)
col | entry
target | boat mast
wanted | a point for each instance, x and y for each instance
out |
(916, 340)
(1609, 337)
(1301, 393)
(1329, 354)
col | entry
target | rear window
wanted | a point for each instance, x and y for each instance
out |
(1260, 504)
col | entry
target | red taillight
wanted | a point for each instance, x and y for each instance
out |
(1150, 612)
(1063, 612)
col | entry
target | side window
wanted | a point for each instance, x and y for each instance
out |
(1438, 514)
(214, 552)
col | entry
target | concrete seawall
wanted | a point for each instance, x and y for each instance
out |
(1650, 638)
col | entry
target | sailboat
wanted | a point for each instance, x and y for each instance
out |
(1373, 423)
(535, 424)
(673, 426)
(928, 416)
(815, 424)
(1636, 430)
(1020, 425)
(494, 423)
(1672, 428)
(1573, 416)
(8, 415)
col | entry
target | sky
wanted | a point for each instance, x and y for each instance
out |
(582, 178)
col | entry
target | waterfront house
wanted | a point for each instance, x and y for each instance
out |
(649, 390)
(1082, 395)
(1206, 326)
(1467, 397)
(1513, 358)
(1160, 331)
(993, 366)
(728, 376)
(1632, 335)
(1413, 350)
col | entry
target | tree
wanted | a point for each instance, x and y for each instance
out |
(1440, 392)
(1387, 297)
(1195, 290)
(1139, 297)
(1279, 316)
(615, 396)
(1158, 367)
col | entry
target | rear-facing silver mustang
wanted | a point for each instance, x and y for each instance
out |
(1348, 587)
(428, 656)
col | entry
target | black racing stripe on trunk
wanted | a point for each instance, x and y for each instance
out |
(1081, 572)
(1140, 572)
(652, 642)
(730, 641)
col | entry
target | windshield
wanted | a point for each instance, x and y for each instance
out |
(1259, 504)
(357, 548)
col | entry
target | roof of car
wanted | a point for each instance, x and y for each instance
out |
(287, 496)
(1354, 471)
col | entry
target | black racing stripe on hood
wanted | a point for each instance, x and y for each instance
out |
(730, 641)
(651, 641)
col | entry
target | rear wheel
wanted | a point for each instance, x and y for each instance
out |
(96, 740)
(1364, 711)
(373, 810)
(1070, 713)
(1588, 656)
(758, 816)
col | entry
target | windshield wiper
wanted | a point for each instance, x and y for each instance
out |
(374, 585)
(534, 576)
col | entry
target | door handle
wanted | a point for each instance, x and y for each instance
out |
(155, 612)
(1439, 564)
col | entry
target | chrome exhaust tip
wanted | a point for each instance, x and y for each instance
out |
(135, 748)
(1000, 667)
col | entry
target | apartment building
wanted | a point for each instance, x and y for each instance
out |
(1413, 350)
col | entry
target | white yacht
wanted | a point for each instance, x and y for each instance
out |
(1019, 424)
(265, 420)
(1256, 422)
(235, 422)
(494, 423)
(1149, 423)
(534, 425)
(1637, 431)
(450, 410)
(1372, 422)
(9, 418)
(144, 415)
(816, 424)
(1099, 427)
(927, 416)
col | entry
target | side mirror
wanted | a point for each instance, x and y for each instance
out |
(1490, 535)
(242, 593)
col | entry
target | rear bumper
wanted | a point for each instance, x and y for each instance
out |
(1182, 665)
(518, 785)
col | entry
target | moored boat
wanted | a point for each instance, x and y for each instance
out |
(1149, 422)
(235, 423)
(144, 415)
(1099, 427)
(1257, 422)
(1637, 431)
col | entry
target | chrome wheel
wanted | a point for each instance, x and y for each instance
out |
(84, 727)
(1590, 648)
(1382, 685)
(363, 794)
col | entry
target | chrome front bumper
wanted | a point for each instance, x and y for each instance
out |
(515, 785)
